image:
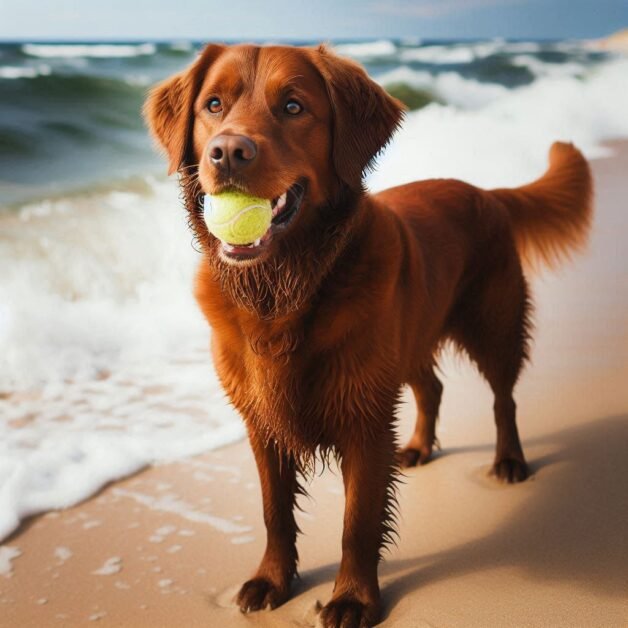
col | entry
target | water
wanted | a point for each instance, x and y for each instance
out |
(69, 113)
(104, 361)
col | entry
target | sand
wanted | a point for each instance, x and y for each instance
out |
(617, 42)
(170, 546)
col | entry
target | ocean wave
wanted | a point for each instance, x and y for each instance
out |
(104, 356)
(439, 54)
(523, 47)
(451, 54)
(138, 80)
(543, 69)
(367, 50)
(505, 141)
(104, 360)
(21, 72)
(411, 41)
(102, 51)
(69, 112)
(72, 86)
(182, 46)
(448, 87)
(412, 97)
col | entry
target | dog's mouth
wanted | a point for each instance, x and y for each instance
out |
(285, 208)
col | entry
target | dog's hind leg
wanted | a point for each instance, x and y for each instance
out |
(428, 390)
(492, 324)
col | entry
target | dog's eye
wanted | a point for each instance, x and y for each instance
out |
(214, 105)
(293, 108)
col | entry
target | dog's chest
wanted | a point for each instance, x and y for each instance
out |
(304, 400)
(285, 403)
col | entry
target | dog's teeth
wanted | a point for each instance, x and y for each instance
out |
(281, 201)
(257, 242)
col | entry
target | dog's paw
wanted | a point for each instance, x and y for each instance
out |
(347, 612)
(510, 470)
(410, 457)
(260, 593)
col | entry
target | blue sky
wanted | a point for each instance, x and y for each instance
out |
(312, 19)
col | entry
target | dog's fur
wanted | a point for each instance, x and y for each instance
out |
(314, 339)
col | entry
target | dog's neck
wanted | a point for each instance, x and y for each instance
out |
(285, 283)
(282, 285)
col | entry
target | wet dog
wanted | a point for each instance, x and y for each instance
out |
(349, 296)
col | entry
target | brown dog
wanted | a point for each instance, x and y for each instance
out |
(348, 296)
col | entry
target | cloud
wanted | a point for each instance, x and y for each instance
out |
(434, 8)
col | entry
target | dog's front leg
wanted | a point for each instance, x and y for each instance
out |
(270, 587)
(369, 470)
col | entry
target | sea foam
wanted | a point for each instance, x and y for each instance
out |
(367, 50)
(104, 356)
(21, 72)
(88, 50)
(506, 141)
(449, 87)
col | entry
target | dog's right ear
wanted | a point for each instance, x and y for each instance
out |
(168, 110)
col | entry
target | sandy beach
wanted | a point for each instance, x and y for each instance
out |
(169, 546)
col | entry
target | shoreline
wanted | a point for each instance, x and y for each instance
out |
(170, 545)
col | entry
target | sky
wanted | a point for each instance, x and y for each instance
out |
(211, 20)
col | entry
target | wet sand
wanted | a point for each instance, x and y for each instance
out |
(170, 546)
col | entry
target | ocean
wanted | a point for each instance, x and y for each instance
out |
(70, 113)
(104, 362)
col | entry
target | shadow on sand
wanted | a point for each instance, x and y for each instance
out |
(573, 527)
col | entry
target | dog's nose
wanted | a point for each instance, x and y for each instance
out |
(232, 152)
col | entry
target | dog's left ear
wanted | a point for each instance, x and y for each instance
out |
(365, 115)
(168, 110)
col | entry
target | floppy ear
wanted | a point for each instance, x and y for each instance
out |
(168, 110)
(365, 116)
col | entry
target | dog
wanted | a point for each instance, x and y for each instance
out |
(349, 296)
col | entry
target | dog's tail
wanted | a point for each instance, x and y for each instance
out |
(551, 216)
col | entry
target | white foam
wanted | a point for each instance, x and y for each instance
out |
(367, 50)
(172, 504)
(7, 555)
(63, 553)
(111, 566)
(506, 141)
(542, 69)
(166, 530)
(103, 347)
(445, 54)
(439, 54)
(50, 51)
(18, 72)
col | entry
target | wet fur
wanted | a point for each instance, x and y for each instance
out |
(314, 342)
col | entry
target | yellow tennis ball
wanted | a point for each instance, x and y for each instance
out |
(237, 218)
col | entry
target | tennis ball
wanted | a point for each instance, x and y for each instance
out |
(237, 218)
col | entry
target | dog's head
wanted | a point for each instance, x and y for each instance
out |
(298, 126)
